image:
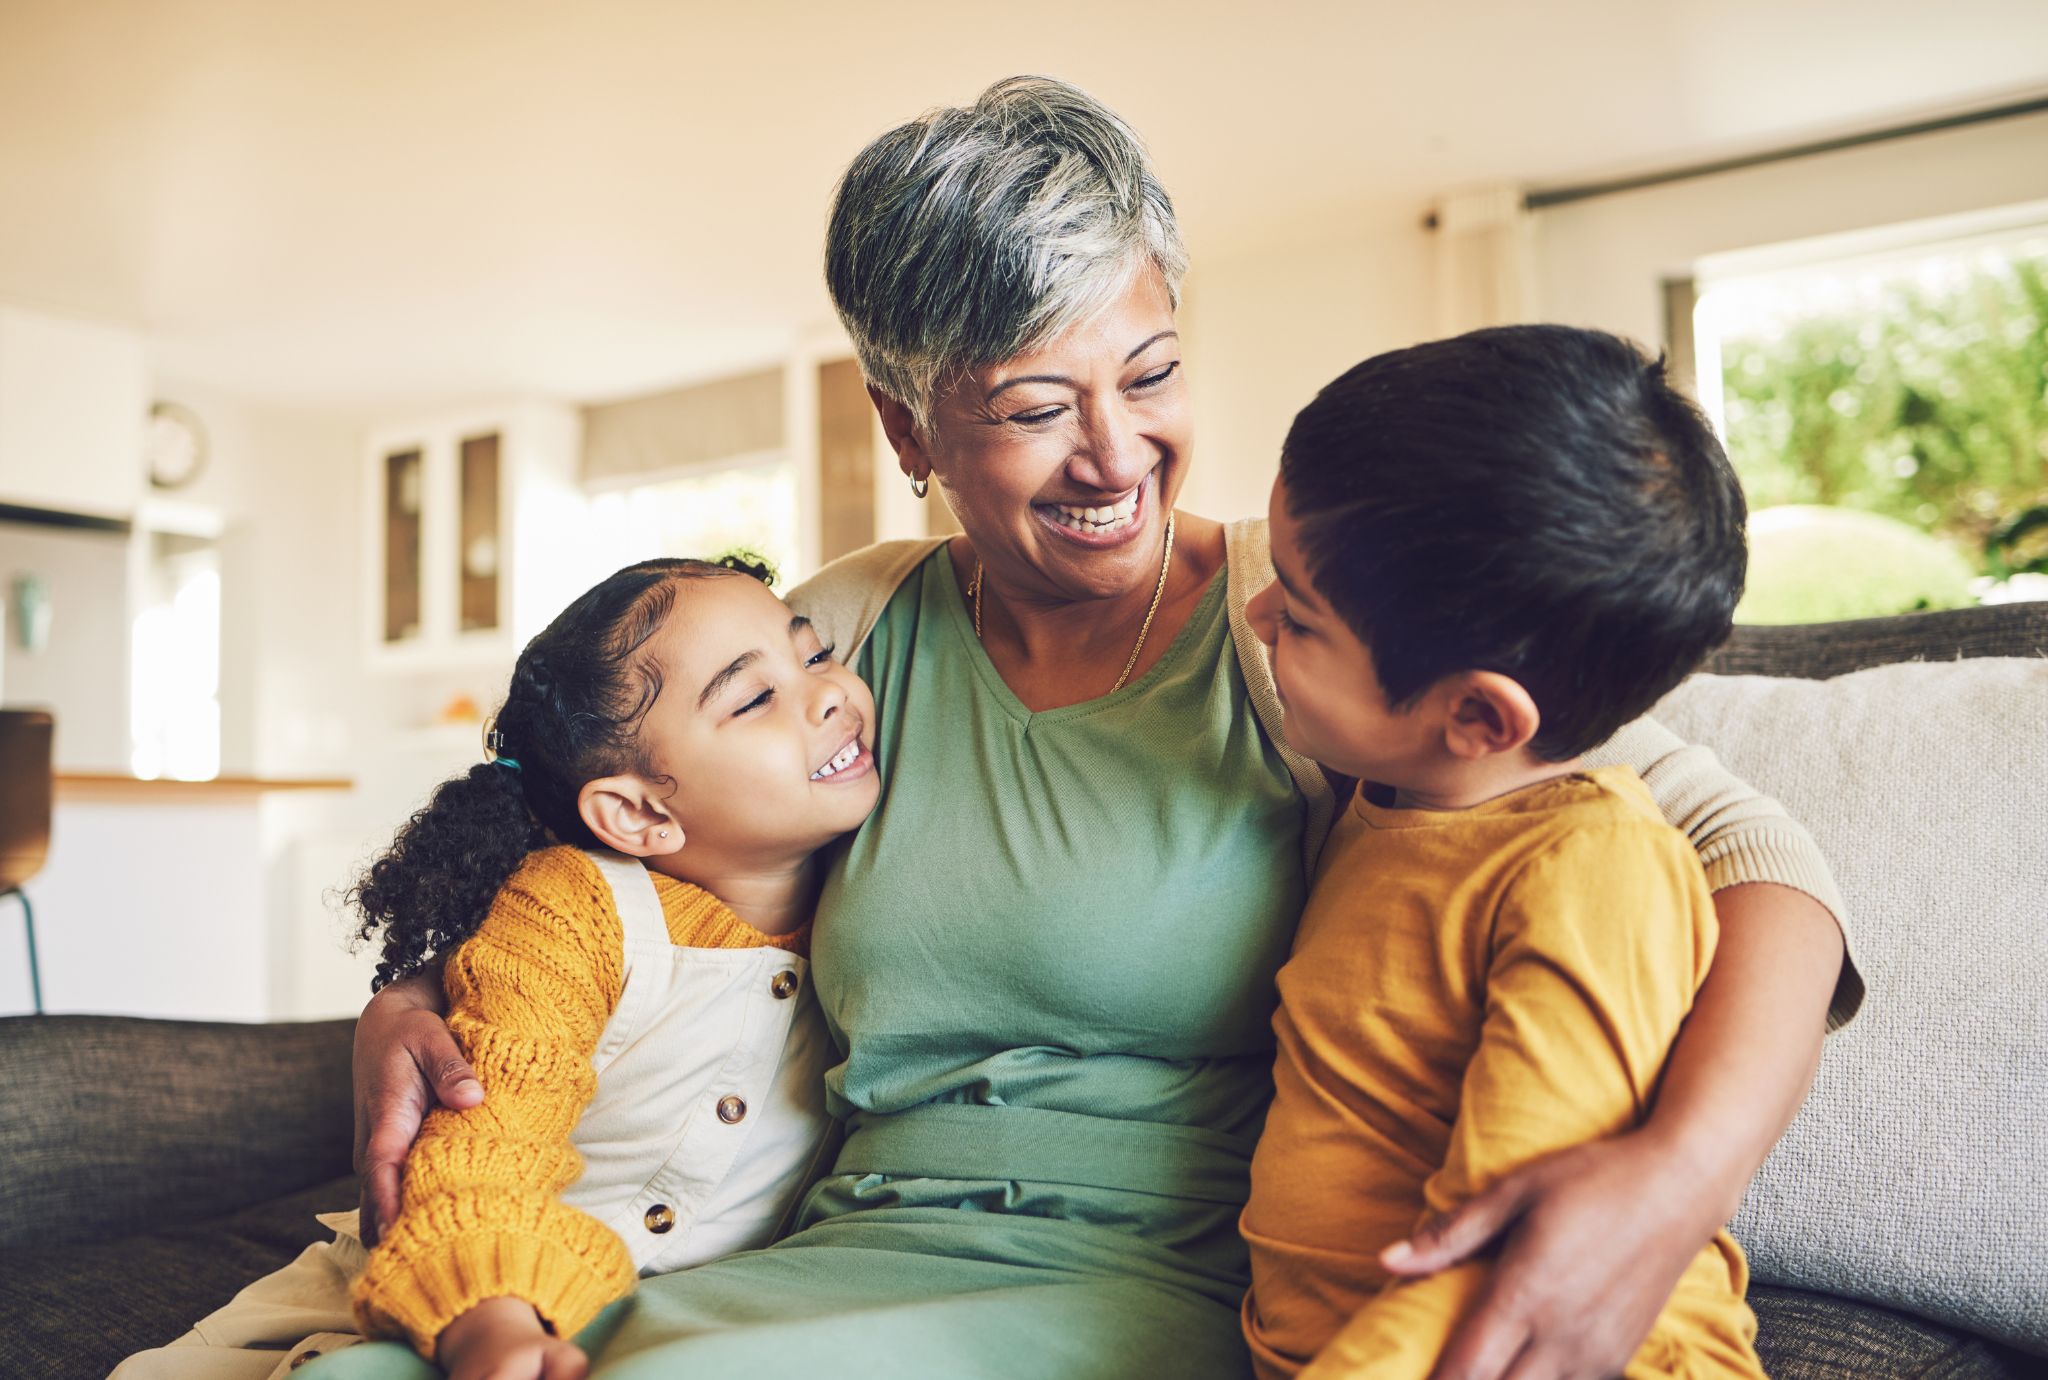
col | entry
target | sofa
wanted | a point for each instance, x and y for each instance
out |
(150, 1168)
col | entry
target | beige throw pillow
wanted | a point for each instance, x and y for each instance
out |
(1916, 1176)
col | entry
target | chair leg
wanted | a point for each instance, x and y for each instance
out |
(28, 925)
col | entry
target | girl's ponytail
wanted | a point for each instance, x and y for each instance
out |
(572, 715)
(435, 885)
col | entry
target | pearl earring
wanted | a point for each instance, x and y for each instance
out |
(664, 833)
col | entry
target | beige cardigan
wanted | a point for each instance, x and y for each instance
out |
(1741, 836)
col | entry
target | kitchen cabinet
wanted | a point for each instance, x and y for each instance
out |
(475, 521)
(74, 404)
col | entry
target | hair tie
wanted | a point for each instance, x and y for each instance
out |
(748, 561)
(494, 747)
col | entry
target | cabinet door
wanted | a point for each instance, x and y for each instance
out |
(404, 478)
(479, 545)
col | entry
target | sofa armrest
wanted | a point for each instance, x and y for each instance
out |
(115, 1125)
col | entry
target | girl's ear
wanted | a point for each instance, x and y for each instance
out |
(629, 816)
(901, 429)
(1489, 714)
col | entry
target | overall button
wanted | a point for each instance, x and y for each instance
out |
(660, 1218)
(731, 1109)
(784, 985)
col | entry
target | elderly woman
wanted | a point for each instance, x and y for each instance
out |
(1049, 957)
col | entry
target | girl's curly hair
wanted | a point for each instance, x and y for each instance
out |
(572, 714)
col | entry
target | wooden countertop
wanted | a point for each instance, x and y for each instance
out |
(116, 786)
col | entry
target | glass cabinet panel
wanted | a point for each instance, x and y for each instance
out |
(477, 550)
(404, 483)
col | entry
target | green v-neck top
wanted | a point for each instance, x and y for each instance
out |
(1079, 911)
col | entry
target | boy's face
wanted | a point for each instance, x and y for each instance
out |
(1336, 711)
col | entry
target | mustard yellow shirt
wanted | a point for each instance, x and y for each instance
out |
(529, 995)
(1470, 990)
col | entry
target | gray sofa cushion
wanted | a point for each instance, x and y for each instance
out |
(73, 1311)
(116, 1125)
(1912, 1175)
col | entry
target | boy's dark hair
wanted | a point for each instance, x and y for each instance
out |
(579, 691)
(1532, 500)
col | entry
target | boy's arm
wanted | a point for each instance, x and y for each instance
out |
(1595, 955)
(481, 1215)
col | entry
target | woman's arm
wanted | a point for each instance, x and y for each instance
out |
(406, 1062)
(1742, 837)
(1617, 1220)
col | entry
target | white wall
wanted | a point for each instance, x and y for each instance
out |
(298, 698)
(1265, 331)
(1601, 262)
(81, 675)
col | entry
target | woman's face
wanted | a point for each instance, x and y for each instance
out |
(1062, 462)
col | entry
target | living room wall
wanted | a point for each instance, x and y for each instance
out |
(1602, 262)
(1266, 327)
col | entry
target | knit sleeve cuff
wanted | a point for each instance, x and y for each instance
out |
(1781, 852)
(566, 1264)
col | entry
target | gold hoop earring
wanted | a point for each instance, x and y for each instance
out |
(921, 487)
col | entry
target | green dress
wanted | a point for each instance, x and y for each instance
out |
(1049, 960)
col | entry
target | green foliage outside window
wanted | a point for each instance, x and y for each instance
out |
(1924, 400)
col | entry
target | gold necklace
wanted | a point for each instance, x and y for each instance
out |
(1158, 590)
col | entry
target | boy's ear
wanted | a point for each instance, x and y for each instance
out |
(630, 816)
(1489, 713)
(901, 429)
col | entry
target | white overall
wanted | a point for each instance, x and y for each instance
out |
(707, 1124)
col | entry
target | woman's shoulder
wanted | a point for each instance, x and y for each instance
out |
(845, 598)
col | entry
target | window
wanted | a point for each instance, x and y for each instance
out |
(705, 515)
(1888, 414)
(175, 705)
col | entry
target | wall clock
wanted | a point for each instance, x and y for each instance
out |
(175, 445)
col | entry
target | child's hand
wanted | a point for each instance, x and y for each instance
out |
(502, 1339)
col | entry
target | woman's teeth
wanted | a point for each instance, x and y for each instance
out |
(841, 760)
(1094, 521)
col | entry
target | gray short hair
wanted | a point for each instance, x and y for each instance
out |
(968, 236)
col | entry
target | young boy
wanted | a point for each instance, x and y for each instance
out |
(1493, 552)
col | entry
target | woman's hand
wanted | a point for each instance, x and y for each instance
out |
(1593, 1240)
(502, 1339)
(405, 1061)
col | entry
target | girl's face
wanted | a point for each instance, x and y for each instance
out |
(765, 740)
(1062, 463)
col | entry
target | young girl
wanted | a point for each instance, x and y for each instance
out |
(622, 896)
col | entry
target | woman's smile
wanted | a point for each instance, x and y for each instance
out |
(1100, 525)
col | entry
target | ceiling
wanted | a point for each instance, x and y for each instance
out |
(376, 203)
